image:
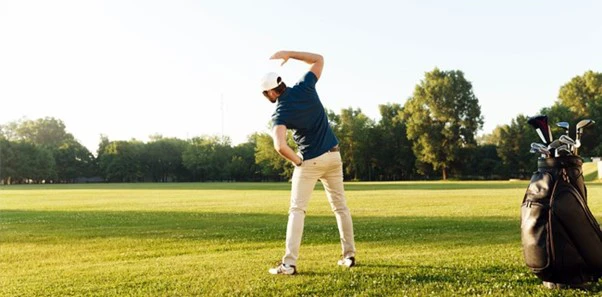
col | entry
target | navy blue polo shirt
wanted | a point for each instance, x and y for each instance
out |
(299, 108)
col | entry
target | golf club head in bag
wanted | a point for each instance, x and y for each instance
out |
(565, 126)
(553, 146)
(579, 131)
(540, 123)
(541, 149)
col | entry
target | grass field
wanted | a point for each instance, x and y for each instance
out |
(590, 171)
(219, 239)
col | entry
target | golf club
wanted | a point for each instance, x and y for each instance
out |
(563, 150)
(565, 126)
(553, 146)
(540, 148)
(536, 151)
(540, 123)
(579, 131)
(568, 141)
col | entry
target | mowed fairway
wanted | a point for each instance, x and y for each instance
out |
(219, 239)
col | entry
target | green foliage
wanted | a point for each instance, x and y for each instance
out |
(492, 138)
(165, 159)
(24, 162)
(583, 94)
(391, 150)
(583, 97)
(122, 161)
(353, 131)
(478, 162)
(560, 113)
(243, 166)
(514, 145)
(61, 156)
(73, 160)
(442, 116)
(207, 157)
(431, 135)
(7, 156)
(49, 132)
(272, 165)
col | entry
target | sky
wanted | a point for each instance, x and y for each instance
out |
(132, 69)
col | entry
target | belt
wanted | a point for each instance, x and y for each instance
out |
(334, 149)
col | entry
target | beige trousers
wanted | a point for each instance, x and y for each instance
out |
(328, 168)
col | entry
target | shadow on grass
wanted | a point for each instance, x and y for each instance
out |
(229, 186)
(496, 277)
(592, 176)
(52, 226)
(438, 274)
(436, 185)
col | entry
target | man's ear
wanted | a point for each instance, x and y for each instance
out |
(272, 96)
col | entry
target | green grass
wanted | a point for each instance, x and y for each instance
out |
(219, 239)
(590, 171)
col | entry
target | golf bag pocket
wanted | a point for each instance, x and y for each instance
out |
(535, 222)
(571, 211)
(534, 235)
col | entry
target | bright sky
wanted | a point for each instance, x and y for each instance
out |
(130, 69)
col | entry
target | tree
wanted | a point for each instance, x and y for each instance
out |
(123, 161)
(165, 159)
(490, 165)
(514, 145)
(392, 150)
(271, 164)
(442, 116)
(48, 132)
(7, 161)
(478, 162)
(583, 94)
(7, 131)
(71, 159)
(208, 158)
(583, 97)
(31, 162)
(102, 145)
(243, 167)
(353, 131)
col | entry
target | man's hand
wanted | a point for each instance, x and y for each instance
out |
(315, 60)
(280, 145)
(284, 55)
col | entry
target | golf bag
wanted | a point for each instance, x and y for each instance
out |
(562, 241)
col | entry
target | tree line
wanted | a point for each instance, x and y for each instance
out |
(432, 136)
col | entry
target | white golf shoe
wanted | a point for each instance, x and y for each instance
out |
(347, 262)
(284, 269)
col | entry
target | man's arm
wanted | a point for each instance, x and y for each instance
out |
(315, 60)
(280, 145)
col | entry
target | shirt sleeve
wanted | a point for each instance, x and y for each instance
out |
(276, 120)
(308, 80)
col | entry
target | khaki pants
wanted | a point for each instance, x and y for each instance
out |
(328, 168)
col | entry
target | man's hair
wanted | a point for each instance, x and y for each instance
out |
(280, 88)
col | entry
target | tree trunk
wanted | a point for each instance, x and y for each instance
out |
(444, 172)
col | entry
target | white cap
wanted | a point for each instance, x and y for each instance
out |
(270, 81)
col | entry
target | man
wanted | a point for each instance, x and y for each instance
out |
(299, 108)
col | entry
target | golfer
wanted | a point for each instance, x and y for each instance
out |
(299, 108)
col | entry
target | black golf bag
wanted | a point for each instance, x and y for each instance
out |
(562, 241)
